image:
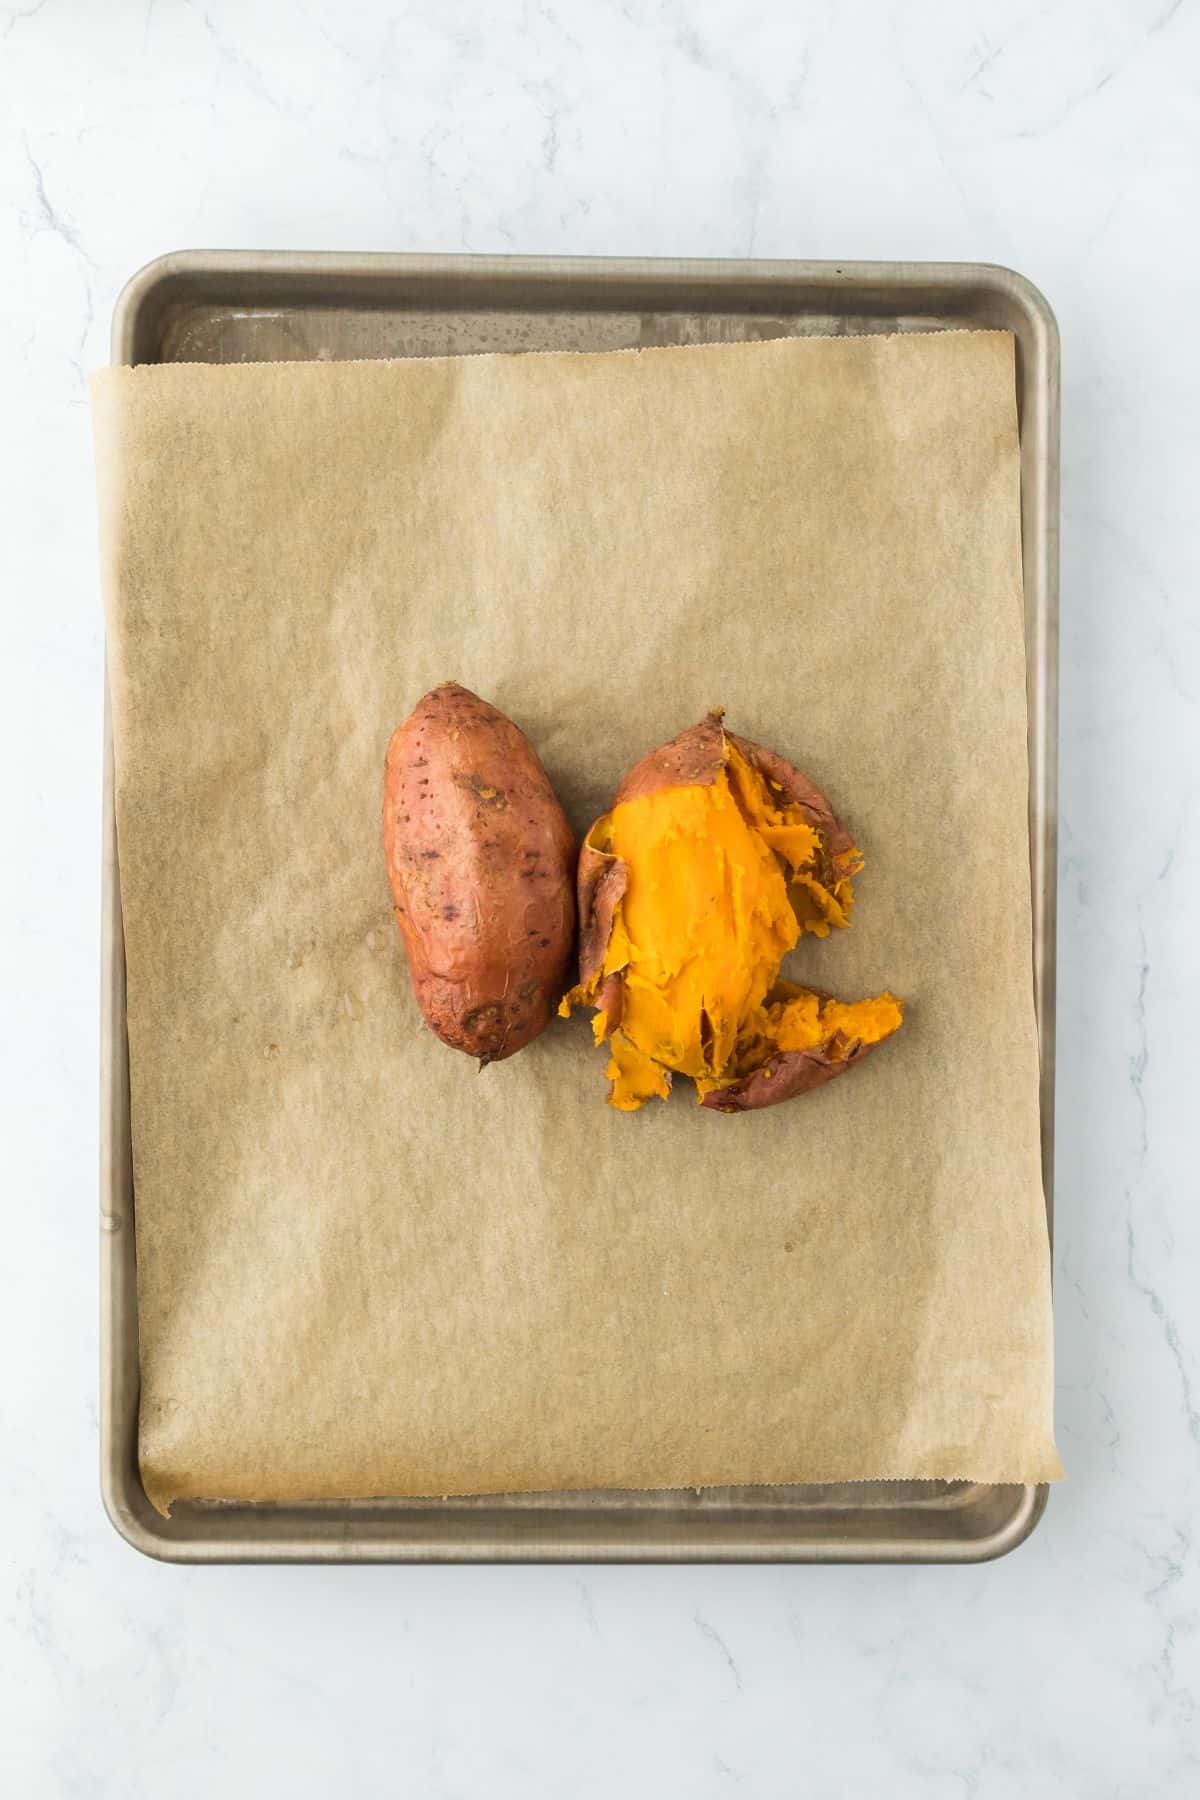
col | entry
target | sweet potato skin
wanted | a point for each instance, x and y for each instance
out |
(601, 885)
(799, 791)
(787, 1075)
(696, 757)
(693, 759)
(482, 867)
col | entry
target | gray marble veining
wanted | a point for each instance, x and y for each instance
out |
(1064, 139)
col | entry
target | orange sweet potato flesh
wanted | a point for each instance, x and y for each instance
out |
(716, 856)
(482, 866)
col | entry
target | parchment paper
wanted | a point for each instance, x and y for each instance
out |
(363, 1267)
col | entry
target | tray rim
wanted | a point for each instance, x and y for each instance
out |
(123, 1495)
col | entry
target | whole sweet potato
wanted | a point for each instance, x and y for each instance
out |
(482, 866)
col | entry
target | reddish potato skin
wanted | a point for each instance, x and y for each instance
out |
(482, 866)
(601, 887)
(788, 1074)
(693, 759)
(696, 757)
(799, 791)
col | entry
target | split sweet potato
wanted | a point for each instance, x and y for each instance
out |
(716, 856)
(482, 866)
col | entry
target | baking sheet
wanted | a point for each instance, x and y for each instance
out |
(653, 1318)
(245, 306)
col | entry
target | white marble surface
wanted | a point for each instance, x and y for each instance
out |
(1063, 139)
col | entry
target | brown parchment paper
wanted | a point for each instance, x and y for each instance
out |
(365, 1268)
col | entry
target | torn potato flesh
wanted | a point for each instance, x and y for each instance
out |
(798, 1031)
(721, 875)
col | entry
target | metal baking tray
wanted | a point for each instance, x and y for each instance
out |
(201, 306)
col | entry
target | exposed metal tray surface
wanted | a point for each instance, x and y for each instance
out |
(201, 306)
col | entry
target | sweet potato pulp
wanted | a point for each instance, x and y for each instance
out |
(482, 867)
(716, 856)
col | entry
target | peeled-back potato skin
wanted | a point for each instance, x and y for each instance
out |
(482, 867)
(835, 1039)
(716, 855)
